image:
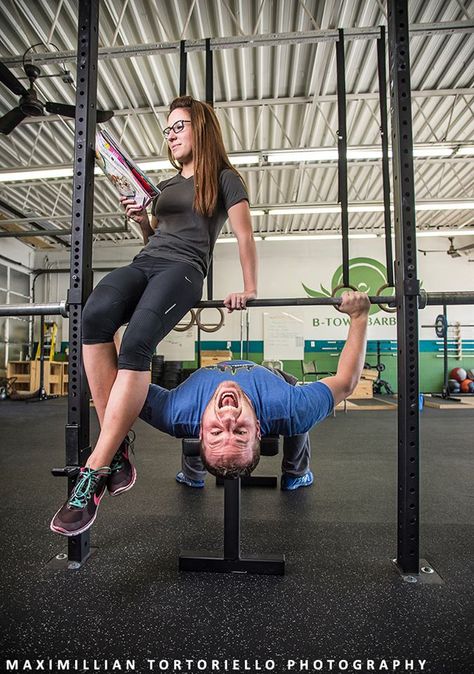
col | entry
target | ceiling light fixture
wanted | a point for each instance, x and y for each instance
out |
(232, 239)
(239, 159)
(464, 150)
(303, 210)
(446, 205)
(337, 236)
(433, 151)
(315, 237)
(445, 232)
(36, 174)
(155, 165)
(262, 156)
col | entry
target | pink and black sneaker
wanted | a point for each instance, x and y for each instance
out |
(123, 473)
(80, 510)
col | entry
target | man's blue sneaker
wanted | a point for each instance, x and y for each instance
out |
(291, 482)
(182, 479)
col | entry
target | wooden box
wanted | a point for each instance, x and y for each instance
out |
(214, 357)
(371, 374)
(26, 374)
(362, 390)
(65, 381)
(53, 377)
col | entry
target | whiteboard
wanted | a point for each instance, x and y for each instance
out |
(178, 345)
(283, 336)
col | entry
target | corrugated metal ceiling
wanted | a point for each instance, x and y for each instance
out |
(267, 98)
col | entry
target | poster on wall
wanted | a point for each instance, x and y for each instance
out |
(178, 345)
(283, 336)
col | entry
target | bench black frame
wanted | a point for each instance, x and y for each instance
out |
(232, 561)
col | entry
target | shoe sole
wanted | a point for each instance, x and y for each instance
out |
(63, 532)
(120, 490)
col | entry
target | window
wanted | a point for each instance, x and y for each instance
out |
(14, 330)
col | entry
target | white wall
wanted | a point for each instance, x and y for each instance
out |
(284, 267)
(17, 252)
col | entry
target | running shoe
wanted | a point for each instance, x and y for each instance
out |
(80, 510)
(183, 479)
(291, 482)
(123, 473)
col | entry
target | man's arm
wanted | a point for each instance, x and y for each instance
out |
(352, 358)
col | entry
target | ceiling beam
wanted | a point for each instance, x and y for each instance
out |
(237, 42)
(256, 102)
(371, 206)
(66, 217)
(57, 232)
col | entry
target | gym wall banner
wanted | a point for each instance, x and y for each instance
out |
(366, 275)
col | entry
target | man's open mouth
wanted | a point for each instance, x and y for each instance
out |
(227, 399)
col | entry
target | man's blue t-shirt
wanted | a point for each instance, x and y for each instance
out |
(281, 408)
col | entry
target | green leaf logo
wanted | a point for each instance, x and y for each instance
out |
(365, 273)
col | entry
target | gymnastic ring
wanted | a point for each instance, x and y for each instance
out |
(339, 287)
(186, 326)
(209, 327)
(385, 307)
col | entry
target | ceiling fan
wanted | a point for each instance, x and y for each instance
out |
(30, 105)
(452, 250)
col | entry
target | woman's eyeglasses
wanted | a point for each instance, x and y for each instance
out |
(177, 127)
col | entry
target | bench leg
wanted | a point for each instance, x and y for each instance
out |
(232, 562)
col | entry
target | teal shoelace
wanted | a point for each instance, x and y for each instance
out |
(85, 485)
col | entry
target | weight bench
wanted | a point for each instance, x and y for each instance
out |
(232, 562)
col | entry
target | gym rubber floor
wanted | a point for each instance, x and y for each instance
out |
(340, 607)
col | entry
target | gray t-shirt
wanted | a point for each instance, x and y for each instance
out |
(184, 235)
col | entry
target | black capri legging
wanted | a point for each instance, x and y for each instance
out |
(151, 295)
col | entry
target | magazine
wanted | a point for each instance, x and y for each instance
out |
(121, 170)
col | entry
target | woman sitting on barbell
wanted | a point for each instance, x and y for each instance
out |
(154, 292)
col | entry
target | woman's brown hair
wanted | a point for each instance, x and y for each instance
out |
(209, 154)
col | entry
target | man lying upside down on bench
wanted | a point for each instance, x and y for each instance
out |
(230, 406)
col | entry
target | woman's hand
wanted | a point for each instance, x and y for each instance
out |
(135, 211)
(238, 301)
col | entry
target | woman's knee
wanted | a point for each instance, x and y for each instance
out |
(135, 356)
(102, 316)
(139, 341)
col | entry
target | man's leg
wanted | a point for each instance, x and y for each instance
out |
(296, 455)
(192, 473)
(295, 468)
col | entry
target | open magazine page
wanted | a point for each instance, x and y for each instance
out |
(122, 171)
(128, 161)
